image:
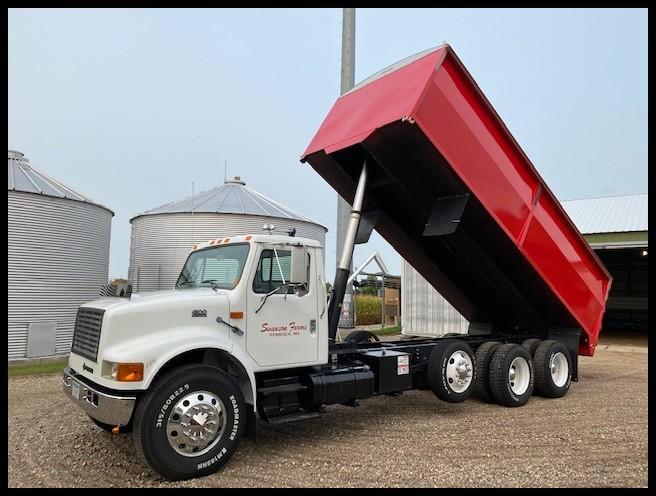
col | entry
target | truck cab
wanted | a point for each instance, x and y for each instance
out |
(247, 304)
(261, 298)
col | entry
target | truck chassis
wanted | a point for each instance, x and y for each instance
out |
(363, 368)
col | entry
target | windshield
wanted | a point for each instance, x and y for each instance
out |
(219, 266)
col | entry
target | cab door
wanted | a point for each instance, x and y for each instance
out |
(281, 328)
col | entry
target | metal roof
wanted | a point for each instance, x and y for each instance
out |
(24, 177)
(609, 214)
(232, 197)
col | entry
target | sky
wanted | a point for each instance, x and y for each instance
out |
(131, 106)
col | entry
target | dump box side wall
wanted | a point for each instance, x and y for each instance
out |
(453, 114)
(466, 131)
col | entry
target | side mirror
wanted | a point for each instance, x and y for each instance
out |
(298, 273)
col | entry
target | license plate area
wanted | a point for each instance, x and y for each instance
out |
(75, 390)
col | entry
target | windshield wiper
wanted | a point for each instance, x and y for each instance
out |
(186, 283)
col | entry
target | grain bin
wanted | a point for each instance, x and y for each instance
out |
(162, 237)
(58, 258)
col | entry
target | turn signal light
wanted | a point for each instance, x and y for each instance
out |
(129, 372)
(236, 315)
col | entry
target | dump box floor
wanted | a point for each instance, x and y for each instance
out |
(451, 190)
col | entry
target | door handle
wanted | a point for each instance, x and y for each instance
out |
(323, 297)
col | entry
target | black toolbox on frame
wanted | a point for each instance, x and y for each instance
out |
(391, 369)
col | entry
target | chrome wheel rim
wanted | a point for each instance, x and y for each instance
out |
(196, 423)
(559, 369)
(519, 376)
(459, 371)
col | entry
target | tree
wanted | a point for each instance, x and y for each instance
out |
(369, 286)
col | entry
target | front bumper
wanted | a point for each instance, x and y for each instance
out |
(106, 408)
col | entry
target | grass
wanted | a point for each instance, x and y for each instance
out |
(387, 331)
(56, 367)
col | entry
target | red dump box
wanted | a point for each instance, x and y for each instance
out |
(451, 190)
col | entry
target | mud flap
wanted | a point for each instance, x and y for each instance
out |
(570, 338)
(251, 424)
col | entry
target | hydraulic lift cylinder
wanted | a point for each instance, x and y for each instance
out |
(344, 263)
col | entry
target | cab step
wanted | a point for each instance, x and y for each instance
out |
(293, 417)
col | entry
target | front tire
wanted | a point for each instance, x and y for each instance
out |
(190, 422)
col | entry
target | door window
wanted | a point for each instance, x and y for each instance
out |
(269, 274)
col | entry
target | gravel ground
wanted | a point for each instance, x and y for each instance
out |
(594, 436)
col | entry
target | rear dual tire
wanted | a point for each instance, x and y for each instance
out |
(511, 378)
(553, 369)
(508, 374)
(531, 345)
(483, 356)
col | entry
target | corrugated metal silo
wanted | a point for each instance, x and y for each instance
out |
(162, 237)
(58, 258)
(424, 312)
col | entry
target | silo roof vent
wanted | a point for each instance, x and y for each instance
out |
(235, 180)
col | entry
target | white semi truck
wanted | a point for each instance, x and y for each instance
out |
(249, 331)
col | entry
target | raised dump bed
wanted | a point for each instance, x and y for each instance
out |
(451, 190)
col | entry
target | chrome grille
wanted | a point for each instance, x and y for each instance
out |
(86, 337)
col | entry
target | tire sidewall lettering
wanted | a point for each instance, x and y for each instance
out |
(159, 420)
(447, 388)
(231, 437)
(438, 363)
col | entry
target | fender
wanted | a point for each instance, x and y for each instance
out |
(175, 342)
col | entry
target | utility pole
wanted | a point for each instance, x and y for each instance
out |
(346, 319)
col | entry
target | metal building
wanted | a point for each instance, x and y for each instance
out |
(58, 258)
(162, 237)
(616, 228)
(424, 312)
